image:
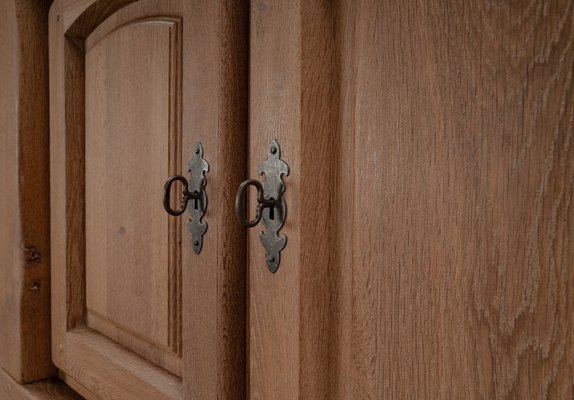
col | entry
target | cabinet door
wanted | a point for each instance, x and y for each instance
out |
(134, 86)
(430, 223)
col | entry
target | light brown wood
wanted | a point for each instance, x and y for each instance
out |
(24, 198)
(73, 9)
(275, 112)
(77, 387)
(214, 284)
(133, 255)
(69, 297)
(80, 17)
(429, 250)
(212, 304)
(294, 97)
(66, 188)
(113, 372)
(51, 389)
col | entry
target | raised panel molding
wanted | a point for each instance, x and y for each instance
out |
(211, 304)
(133, 141)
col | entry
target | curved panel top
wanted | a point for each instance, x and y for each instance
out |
(105, 29)
(81, 17)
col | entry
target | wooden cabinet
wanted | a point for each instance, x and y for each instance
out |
(136, 313)
(429, 216)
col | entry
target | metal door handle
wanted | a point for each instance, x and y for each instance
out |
(271, 208)
(262, 203)
(197, 167)
(185, 198)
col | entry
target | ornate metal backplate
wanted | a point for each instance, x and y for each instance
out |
(197, 167)
(273, 217)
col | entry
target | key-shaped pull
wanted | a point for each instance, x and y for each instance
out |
(193, 189)
(271, 208)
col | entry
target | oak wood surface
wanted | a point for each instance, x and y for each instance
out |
(429, 226)
(214, 92)
(50, 389)
(73, 9)
(81, 360)
(294, 97)
(133, 251)
(464, 261)
(109, 372)
(24, 199)
(214, 284)
(66, 182)
(81, 17)
(275, 90)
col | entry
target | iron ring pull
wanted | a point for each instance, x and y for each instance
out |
(185, 197)
(262, 203)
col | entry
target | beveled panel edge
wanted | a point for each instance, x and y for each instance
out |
(107, 28)
(103, 31)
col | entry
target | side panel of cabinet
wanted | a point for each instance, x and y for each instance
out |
(24, 187)
(430, 216)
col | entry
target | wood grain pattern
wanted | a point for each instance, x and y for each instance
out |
(215, 112)
(133, 248)
(295, 97)
(72, 9)
(67, 150)
(275, 113)
(471, 268)
(214, 68)
(81, 17)
(50, 389)
(59, 309)
(110, 372)
(439, 263)
(523, 267)
(67, 190)
(24, 203)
